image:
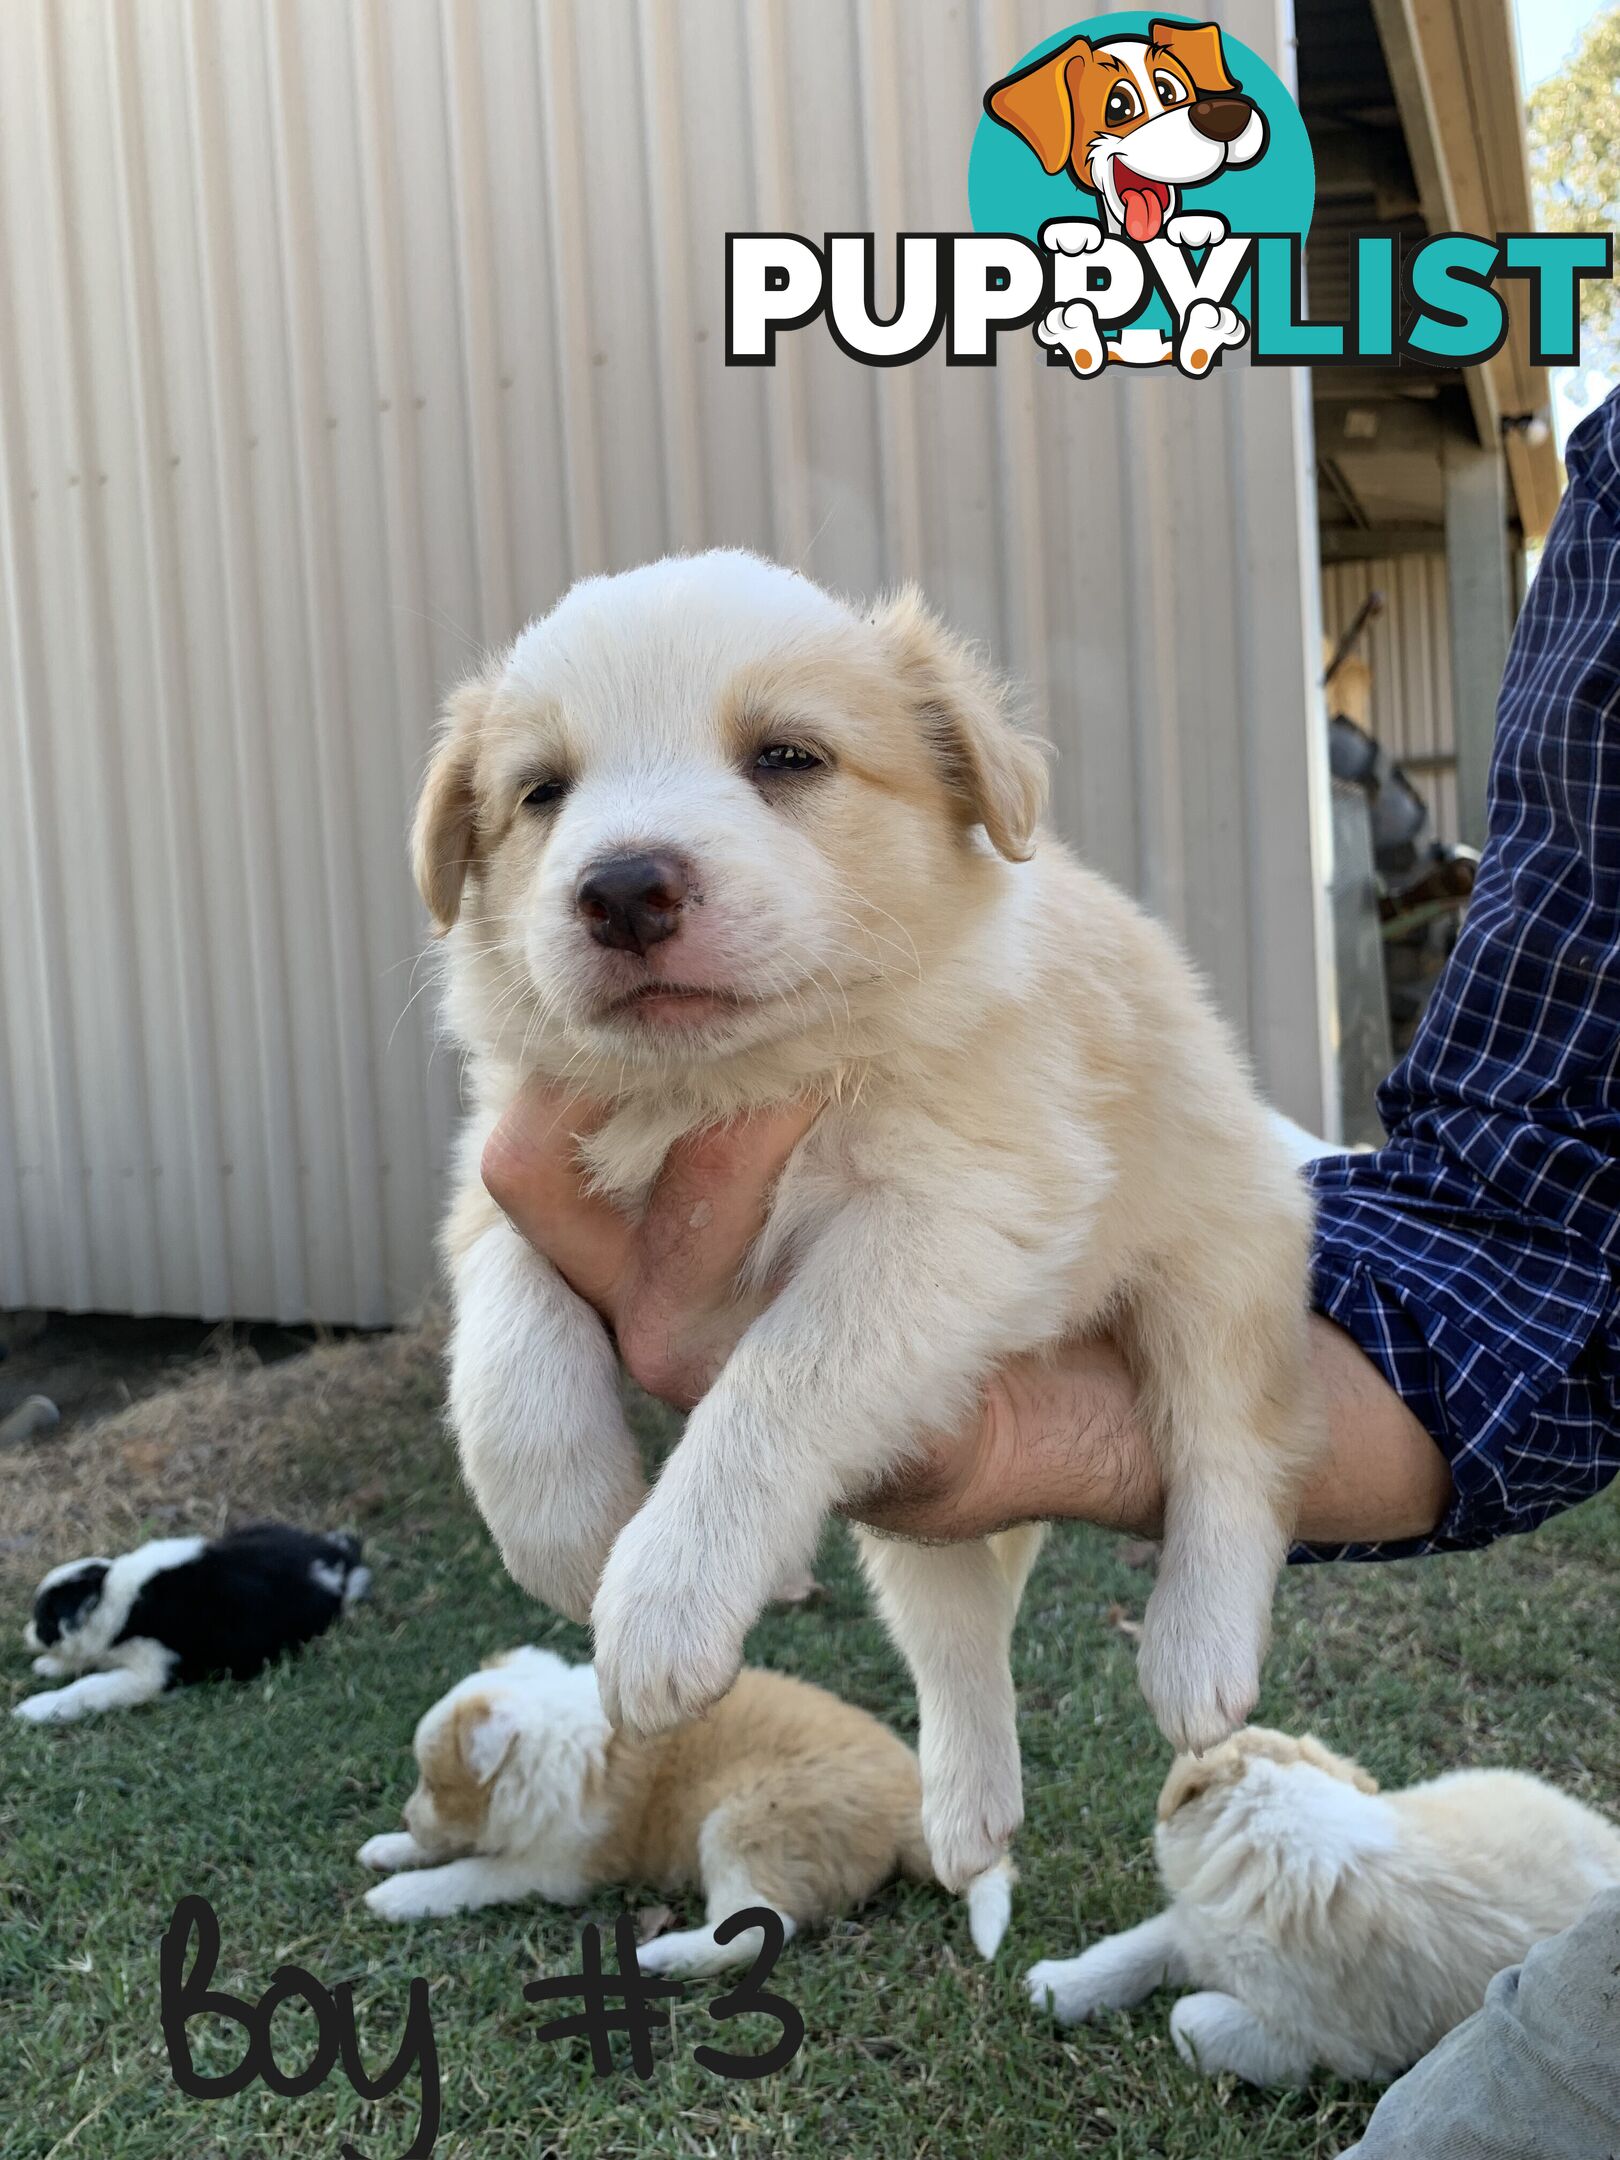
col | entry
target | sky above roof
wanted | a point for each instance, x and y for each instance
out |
(1547, 30)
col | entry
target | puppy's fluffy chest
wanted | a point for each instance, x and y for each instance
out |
(1013, 1100)
(977, 1135)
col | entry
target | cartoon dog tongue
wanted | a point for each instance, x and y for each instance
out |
(1144, 212)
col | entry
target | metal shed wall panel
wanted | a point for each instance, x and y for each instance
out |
(336, 337)
(1409, 651)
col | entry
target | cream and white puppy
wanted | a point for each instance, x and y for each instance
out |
(782, 1796)
(1327, 1923)
(707, 838)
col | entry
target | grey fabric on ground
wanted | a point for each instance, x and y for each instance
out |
(1534, 2075)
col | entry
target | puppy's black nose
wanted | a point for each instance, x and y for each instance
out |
(631, 902)
(1221, 119)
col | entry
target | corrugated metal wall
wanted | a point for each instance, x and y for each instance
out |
(336, 336)
(1408, 650)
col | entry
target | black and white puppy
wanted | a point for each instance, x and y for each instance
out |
(184, 1609)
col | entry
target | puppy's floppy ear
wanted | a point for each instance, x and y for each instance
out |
(1191, 1776)
(1199, 49)
(89, 1583)
(997, 774)
(485, 1733)
(1038, 102)
(74, 1594)
(444, 837)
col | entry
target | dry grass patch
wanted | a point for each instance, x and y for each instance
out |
(339, 1435)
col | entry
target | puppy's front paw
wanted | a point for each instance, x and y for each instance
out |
(405, 1897)
(54, 1707)
(1071, 236)
(654, 1676)
(48, 1667)
(390, 1849)
(1201, 1678)
(1063, 1987)
(1196, 229)
(666, 1645)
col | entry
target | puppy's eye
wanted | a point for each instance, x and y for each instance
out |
(1123, 104)
(544, 793)
(1171, 90)
(783, 757)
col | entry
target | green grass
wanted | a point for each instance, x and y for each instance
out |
(258, 1796)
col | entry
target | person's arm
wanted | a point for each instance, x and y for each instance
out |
(1475, 1256)
(1058, 1437)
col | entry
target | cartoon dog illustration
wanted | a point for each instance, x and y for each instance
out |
(1136, 120)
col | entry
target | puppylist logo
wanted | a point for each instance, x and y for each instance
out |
(1141, 188)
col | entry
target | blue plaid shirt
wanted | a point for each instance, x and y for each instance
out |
(1475, 1257)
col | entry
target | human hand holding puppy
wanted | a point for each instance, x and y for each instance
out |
(1056, 1436)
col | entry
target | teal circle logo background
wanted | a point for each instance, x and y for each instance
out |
(1009, 192)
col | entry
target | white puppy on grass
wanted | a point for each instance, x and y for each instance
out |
(1324, 1922)
(783, 1796)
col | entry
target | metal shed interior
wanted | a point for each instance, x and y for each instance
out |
(1430, 482)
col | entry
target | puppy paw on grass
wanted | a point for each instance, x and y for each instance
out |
(388, 1851)
(1055, 1987)
(52, 1708)
(410, 1897)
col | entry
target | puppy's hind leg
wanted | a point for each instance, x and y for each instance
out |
(950, 1610)
(730, 1885)
(1226, 1396)
(1214, 2032)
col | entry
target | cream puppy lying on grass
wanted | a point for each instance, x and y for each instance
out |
(707, 838)
(1326, 1922)
(782, 1796)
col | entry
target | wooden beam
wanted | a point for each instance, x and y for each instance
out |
(1454, 68)
(1479, 591)
(1371, 543)
(1434, 160)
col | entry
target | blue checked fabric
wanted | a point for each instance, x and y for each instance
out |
(1475, 1257)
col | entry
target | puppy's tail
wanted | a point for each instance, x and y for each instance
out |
(356, 1579)
(988, 1897)
(989, 1904)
